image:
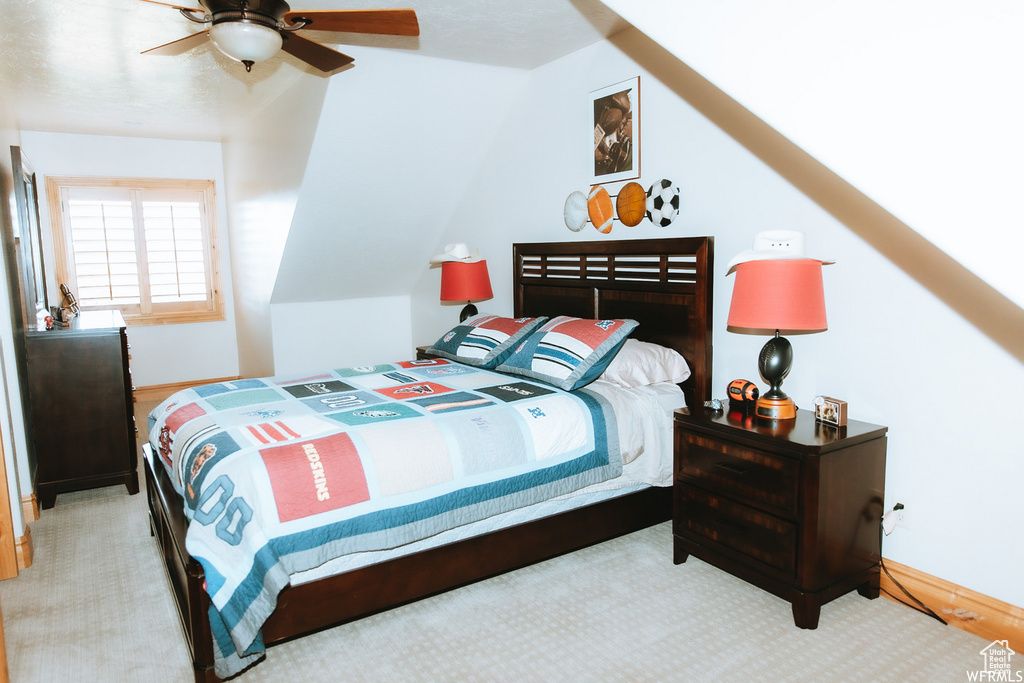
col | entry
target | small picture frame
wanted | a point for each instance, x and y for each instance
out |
(830, 411)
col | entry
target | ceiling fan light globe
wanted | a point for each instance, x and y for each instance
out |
(246, 41)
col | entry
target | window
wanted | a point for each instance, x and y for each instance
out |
(143, 246)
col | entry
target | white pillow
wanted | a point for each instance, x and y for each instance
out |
(641, 363)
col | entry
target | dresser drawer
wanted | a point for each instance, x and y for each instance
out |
(743, 529)
(751, 475)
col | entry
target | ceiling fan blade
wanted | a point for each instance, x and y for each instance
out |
(180, 46)
(177, 7)
(313, 53)
(390, 22)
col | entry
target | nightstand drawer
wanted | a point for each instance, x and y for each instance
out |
(743, 529)
(748, 474)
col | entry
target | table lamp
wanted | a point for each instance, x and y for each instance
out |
(777, 290)
(464, 277)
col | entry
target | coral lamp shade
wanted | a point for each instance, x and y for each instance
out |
(461, 281)
(785, 295)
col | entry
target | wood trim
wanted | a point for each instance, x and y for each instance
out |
(961, 607)
(23, 550)
(30, 508)
(158, 392)
(8, 554)
(180, 318)
(4, 672)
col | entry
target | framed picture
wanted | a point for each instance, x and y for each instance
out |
(830, 411)
(616, 132)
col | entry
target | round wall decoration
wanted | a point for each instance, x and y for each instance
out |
(631, 204)
(663, 203)
(599, 207)
(576, 211)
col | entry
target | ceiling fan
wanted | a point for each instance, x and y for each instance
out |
(251, 31)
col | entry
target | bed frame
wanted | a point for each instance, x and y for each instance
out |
(666, 285)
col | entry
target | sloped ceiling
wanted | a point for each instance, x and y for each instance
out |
(75, 66)
(916, 104)
(388, 166)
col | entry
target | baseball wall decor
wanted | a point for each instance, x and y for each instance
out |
(575, 211)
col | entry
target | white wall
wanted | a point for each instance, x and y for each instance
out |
(897, 353)
(340, 334)
(161, 354)
(916, 103)
(399, 140)
(265, 161)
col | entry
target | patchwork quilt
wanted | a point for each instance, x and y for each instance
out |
(282, 474)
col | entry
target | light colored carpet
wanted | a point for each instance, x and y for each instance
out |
(95, 606)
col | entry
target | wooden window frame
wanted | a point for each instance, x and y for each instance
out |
(212, 310)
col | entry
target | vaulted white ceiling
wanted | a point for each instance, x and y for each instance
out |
(75, 65)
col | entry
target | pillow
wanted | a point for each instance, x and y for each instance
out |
(484, 340)
(641, 363)
(568, 352)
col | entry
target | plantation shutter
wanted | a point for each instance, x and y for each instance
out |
(104, 244)
(174, 247)
(144, 251)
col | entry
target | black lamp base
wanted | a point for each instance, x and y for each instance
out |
(468, 312)
(774, 363)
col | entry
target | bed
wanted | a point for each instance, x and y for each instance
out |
(664, 285)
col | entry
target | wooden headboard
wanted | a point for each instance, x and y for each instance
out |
(665, 285)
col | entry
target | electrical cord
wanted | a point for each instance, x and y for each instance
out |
(923, 608)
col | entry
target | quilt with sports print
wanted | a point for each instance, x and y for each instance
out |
(282, 474)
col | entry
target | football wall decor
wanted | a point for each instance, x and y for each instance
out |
(599, 207)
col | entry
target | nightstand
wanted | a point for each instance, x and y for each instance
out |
(423, 353)
(791, 506)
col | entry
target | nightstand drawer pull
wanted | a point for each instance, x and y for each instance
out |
(732, 469)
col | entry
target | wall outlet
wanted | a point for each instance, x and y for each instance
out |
(902, 517)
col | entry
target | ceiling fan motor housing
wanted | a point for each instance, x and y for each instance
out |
(269, 13)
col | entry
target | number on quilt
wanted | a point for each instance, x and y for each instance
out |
(232, 512)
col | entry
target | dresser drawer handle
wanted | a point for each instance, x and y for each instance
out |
(732, 469)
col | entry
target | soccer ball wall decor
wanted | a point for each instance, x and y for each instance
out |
(662, 203)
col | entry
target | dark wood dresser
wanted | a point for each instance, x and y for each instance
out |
(83, 421)
(791, 506)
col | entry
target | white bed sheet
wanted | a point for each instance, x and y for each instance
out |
(644, 419)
